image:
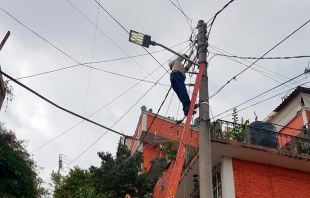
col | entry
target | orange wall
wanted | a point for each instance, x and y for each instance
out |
(171, 131)
(158, 192)
(260, 180)
(149, 154)
(296, 123)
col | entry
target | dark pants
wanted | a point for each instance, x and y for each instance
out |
(177, 83)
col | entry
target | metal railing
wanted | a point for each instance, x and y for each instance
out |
(288, 144)
(195, 193)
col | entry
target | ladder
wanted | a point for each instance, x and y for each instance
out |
(180, 158)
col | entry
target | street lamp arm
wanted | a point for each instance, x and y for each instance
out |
(176, 53)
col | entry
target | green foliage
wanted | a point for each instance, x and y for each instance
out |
(302, 148)
(77, 184)
(17, 169)
(169, 149)
(127, 179)
(238, 132)
(235, 115)
(216, 131)
(190, 154)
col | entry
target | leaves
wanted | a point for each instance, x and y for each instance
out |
(17, 169)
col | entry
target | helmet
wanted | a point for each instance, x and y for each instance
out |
(171, 63)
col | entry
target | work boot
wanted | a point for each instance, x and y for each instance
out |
(186, 109)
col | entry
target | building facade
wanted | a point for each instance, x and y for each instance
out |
(264, 159)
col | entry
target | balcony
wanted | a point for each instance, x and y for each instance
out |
(283, 143)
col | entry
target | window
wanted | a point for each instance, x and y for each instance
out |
(216, 181)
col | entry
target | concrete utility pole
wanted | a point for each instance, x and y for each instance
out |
(205, 174)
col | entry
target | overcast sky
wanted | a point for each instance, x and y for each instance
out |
(245, 28)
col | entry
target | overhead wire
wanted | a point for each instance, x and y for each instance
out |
(213, 19)
(255, 69)
(181, 10)
(95, 112)
(264, 58)
(280, 76)
(96, 62)
(234, 77)
(125, 114)
(263, 100)
(109, 37)
(261, 94)
(89, 75)
(59, 107)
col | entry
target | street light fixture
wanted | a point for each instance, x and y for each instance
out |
(140, 39)
(145, 41)
(195, 181)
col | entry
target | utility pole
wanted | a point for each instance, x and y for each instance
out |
(59, 163)
(205, 164)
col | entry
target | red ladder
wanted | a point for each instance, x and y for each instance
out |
(180, 158)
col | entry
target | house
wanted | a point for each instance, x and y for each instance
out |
(272, 160)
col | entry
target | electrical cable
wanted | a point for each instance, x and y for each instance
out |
(234, 77)
(259, 95)
(225, 6)
(282, 76)
(95, 111)
(181, 10)
(130, 157)
(263, 100)
(270, 58)
(96, 62)
(141, 141)
(59, 107)
(124, 115)
(255, 69)
(128, 33)
(89, 75)
(109, 37)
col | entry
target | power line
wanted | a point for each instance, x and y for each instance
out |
(270, 58)
(40, 36)
(95, 111)
(234, 77)
(59, 107)
(89, 75)
(264, 100)
(260, 94)
(181, 10)
(225, 6)
(130, 157)
(254, 69)
(141, 141)
(96, 62)
(117, 122)
(109, 37)
(123, 116)
(219, 50)
(128, 33)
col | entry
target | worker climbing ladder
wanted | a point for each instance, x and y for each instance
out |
(184, 137)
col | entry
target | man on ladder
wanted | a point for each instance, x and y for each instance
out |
(177, 78)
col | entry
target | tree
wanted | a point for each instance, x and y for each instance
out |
(17, 169)
(238, 132)
(77, 184)
(235, 115)
(126, 179)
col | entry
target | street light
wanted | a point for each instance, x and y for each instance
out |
(145, 41)
(195, 181)
(140, 39)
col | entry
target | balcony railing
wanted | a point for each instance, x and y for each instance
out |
(288, 144)
(195, 193)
